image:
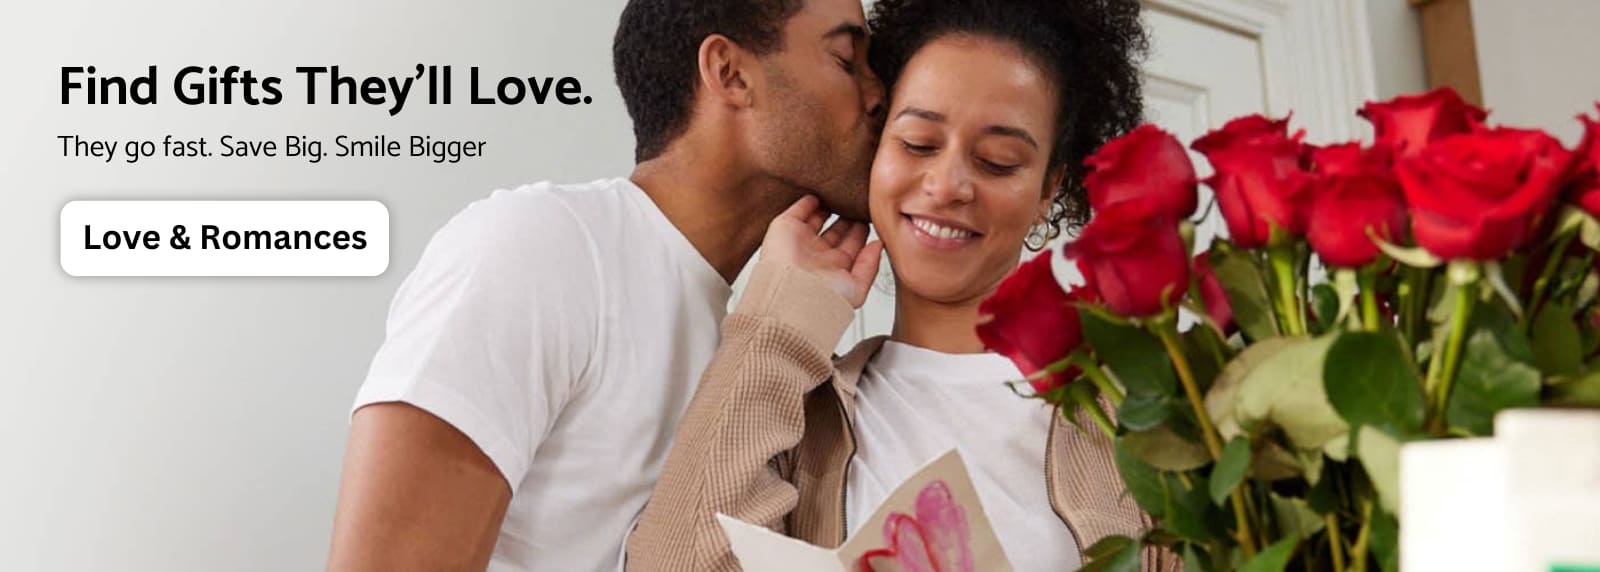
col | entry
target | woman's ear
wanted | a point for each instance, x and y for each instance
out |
(722, 71)
(1052, 185)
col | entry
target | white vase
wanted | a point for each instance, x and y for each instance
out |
(1527, 499)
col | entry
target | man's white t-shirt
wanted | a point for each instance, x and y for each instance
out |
(563, 328)
(913, 404)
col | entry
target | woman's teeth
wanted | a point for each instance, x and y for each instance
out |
(939, 231)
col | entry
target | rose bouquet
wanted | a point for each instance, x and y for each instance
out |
(1365, 296)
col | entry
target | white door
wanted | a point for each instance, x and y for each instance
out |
(1213, 60)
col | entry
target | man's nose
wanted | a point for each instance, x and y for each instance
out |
(872, 94)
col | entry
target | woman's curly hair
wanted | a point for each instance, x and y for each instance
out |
(1091, 50)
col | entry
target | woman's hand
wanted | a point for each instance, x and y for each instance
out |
(839, 255)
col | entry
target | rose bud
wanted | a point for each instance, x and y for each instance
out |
(1212, 295)
(1031, 320)
(1135, 259)
(1146, 163)
(1584, 187)
(1260, 178)
(1479, 196)
(1408, 123)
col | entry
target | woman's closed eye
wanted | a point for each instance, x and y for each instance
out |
(918, 149)
(998, 168)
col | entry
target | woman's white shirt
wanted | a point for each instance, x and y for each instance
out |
(913, 404)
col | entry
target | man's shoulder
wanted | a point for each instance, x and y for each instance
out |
(528, 233)
(552, 218)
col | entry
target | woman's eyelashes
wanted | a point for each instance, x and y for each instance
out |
(918, 149)
(997, 168)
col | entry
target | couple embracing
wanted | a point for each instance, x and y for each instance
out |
(561, 387)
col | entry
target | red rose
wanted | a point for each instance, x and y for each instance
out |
(1480, 195)
(1348, 159)
(1030, 320)
(1353, 190)
(1346, 208)
(1584, 190)
(1260, 178)
(1408, 123)
(1212, 295)
(1145, 164)
(1134, 259)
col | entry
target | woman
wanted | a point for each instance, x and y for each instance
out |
(993, 108)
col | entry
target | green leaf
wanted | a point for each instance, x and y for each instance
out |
(1324, 308)
(1272, 462)
(1220, 399)
(1325, 496)
(1141, 411)
(1274, 559)
(1583, 391)
(1370, 382)
(1246, 288)
(1295, 516)
(1142, 481)
(1230, 469)
(1496, 373)
(1193, 560)
(1188, 510)
(1415, 256)
(1380, 456)
(1386, 540)
(1557, 343)
(1134, 355)
(1113, 554)
(1286, 391)
(1165, 450)
(1108, 546)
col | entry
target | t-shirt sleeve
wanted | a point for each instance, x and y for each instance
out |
(495, 327)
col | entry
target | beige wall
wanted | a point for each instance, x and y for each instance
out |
(1539, 61)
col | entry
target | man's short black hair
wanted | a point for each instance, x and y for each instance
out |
(656, 54)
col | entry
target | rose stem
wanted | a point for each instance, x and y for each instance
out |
(1167, 331)
(1358, 553)
(1459, 319)
(1283, 270)
(1368, 278)
(1090, 405)
(1335, 546)
(1552, 265)
(1097, 375)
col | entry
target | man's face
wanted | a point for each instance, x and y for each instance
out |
(820, 126)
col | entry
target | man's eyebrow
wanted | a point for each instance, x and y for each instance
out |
(852, 29)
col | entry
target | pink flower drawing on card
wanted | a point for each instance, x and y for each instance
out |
(935, 540)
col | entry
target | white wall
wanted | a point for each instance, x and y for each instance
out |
(1398, 60)
(1539, 61)
(198, 424)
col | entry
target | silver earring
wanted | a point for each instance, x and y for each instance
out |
(1038, 237)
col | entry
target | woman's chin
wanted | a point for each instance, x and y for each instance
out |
(931, 285)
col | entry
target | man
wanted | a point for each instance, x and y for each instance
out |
(539, 357)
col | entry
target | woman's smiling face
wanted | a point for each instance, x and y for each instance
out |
(959, 177)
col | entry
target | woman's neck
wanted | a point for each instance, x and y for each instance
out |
(949, 327)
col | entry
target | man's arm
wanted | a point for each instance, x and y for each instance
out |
(415, 494)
